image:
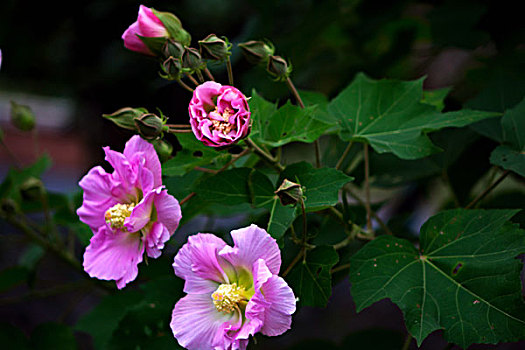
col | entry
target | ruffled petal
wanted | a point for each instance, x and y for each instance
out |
(168, 211)
(155, 239)
(123, 169)
(113, 256)
(198, 263)
(196, 323)
(253, 243)
(97, 185)
(136, 147)
(277, 316)
(141, 213)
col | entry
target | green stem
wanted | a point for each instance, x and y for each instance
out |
(230, 71)
(208, 73)
(193, 80)
(181, 83)
(488, 189)
(374, 214)
(340, 268)
(343, 156)
(367, 190)
(263, 154)
(407, 342)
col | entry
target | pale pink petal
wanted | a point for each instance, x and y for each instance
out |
(124, 171)
(168, 211)
(132, 41)
(137, 147)
(253, 243)
(199, 264)
(197, 325)
(113, 256)
(97, 185)
(155, 239)
(149, 24)
(277, 317)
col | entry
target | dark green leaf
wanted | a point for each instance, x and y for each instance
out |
(228, 187)
(12, 337)
(465, 278)
(103, 320)
(12, 276)
(321, 186)
(436, 98)
(53, 336)
(389, 115)
(311, 280)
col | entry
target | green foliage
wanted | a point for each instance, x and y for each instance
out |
(464, 278)
(389, 115)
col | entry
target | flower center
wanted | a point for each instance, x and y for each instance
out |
(116, 215)
(224, 125)
(227, 296)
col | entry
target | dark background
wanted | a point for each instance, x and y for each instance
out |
(73, 52)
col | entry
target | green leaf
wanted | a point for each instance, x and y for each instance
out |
(436, 98)
(10, 187)
(228, 187)
(12, 276)
(321, 185)
(389, 115)
(193, 153)
(53, 336)
(103, 320)
(263, 195)
(277, 127)
(511, 155)
(465, 278)
(311, 280)
(12, 337)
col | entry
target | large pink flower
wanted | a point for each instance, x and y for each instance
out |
(219, 115)
(129, 212)
(147, 25)
(233, 292)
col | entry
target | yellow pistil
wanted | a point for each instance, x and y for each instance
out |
(224, 125)
(227, 296)
(116, 215)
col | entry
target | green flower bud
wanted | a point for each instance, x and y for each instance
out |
(125, 117)
(289, 192)
(278, 68)
(22, 117)
(149, 126)
(172, 48)
(191, 59)
(257, 51)
(173, 26)
(172, 67)
(32, 189)
(163, 149)
(214, 48)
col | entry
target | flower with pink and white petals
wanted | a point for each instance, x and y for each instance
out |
(129, 212)
(219, 114)
(232, 292)
(147, 25)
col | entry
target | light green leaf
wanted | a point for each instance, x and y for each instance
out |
(389, 115)
(321, 185)
(465, 278)
(436, 97)
(311, 280)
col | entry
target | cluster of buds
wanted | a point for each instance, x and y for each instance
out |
(262, 53)
(148, 125)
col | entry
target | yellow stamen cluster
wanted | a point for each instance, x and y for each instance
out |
(227, 296)
(224, 125)
(116, 215)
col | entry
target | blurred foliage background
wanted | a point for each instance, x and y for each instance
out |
(73, 50)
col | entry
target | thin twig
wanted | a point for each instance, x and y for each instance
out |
(343, 156)
(265, 155)
(374, 214)
(293, 263)
(187, 198)
(208, 73)
(206, 170)
(230, 71)
(193, 80)
(181, 83)
(340, 268)
(367, 190)
(488, 189)
(408, 340)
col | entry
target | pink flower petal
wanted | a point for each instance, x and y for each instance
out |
(199, 264)
(155, 239)
(197, 324)
(137, 147)
(132, 41)
(277, 317)
(168, 211)
(141, 213)
(253, 243)
(149, 24)
(97, 197)
(113, 256)
(123, 169)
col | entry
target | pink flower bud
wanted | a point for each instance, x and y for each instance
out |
(148, 25)
(219, 114)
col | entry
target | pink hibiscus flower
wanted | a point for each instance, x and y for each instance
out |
(219, 114)
(233, 292)
(129, 212)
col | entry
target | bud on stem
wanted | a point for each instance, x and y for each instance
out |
(257, 52)
(22, 117)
